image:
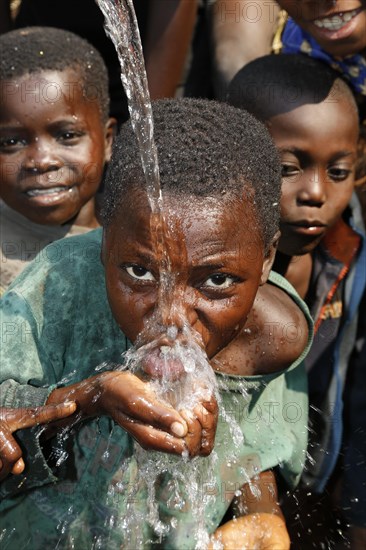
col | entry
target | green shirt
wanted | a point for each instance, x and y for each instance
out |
(57, 329)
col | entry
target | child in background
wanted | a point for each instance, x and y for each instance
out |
(333, 31)
(77, 314)
(55, 140)
(312, 117)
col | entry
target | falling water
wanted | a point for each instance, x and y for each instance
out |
(158, 471)
(122, 28)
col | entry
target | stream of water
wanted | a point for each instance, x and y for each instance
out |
(179, 479)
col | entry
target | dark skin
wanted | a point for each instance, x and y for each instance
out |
(11, 420)
(347, 40)
(169, 33)
(54, 146)
(318, 179)
(258, 521)
(318, 148)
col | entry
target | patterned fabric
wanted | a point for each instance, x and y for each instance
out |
(353, 67)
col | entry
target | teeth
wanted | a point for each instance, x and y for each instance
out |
(50, 191)
(337, 22)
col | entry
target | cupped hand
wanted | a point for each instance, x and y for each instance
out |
(12, 419)
(134, 405)
(155, 424)
(261, 531)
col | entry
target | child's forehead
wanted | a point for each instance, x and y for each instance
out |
(191, 213)
(320, 114)
(48, 87)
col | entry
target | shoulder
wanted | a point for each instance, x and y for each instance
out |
(276, 336)
(64, 256)
(283, 324)
(62, 274)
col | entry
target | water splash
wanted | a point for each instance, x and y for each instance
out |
(171, 486)
(122, 28)
(179, 373)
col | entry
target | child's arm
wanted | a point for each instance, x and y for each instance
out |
(11, 420)
(135, 407)
(259, 521)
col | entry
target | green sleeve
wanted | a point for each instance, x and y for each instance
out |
(22, 385)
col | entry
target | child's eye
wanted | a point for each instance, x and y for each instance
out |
(140, 273)
(220, 280)
(10, 143)
(289, 170)
(70, 137)
(339, 174)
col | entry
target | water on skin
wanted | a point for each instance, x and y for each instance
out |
(155, 470)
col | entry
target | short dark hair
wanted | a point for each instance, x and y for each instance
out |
(35, 49)
(205, 148)
(275, 84)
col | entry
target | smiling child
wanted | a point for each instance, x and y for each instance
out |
(220, 180)
(55, 140)
(312, 117)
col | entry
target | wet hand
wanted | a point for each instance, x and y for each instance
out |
(11, 420)
(202, 423)
(261, 531)
(133, 404)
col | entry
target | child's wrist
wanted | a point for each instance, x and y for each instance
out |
(87, 394)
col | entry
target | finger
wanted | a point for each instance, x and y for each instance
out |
(150, 438)
(10, 452)
(147, 409)
(138, 400)
(211, 405)
(27, 418)
(208, 420)
(194, 434)
(18, 467)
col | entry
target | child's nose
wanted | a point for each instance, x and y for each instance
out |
(313, 189)
(179, 309)
(41, 157)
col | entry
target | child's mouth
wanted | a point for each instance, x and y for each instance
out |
(47, 191)
(337, 21)
(49, 196)
(163, 363)
(308, 228)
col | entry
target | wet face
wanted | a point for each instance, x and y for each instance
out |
(317, 144)
(216, 266)
(339, 27)
(53, 148)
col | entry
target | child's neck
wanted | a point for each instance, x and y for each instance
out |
(296, 269)
(86, 217)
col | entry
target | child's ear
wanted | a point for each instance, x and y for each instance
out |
(269, 259)
(110, 131)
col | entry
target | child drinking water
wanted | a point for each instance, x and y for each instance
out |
(220, 183)
(55, 140)
(312, 117)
